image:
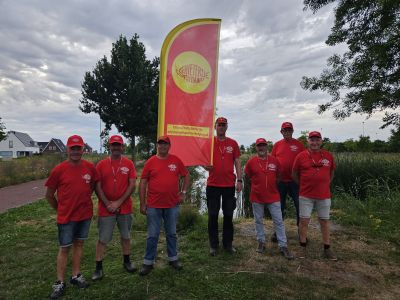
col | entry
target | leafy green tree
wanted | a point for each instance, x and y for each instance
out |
(365, 79)
(350, 145)
(394, 140)
(364, 144)
(124, 90)
(379, 146)
(3, 132)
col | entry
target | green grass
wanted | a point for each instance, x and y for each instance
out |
(28, 248)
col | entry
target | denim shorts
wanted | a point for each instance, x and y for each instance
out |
(73, 230)
(306, 206)
(106, 227)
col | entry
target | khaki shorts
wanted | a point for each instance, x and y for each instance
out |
(306, 206)
(106, 227)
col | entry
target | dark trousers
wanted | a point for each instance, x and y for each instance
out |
(214, 195)
(292, 189)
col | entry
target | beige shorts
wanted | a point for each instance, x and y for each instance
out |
(306, 206)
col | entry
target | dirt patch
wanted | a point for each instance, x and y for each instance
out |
(363, 266)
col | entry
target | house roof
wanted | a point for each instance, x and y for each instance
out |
(42, 145)
(60, 145)
(88, 147)
(25, 139)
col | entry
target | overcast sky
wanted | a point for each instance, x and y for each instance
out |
(266, 47)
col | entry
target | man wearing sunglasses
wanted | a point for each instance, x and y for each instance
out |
(314, 169)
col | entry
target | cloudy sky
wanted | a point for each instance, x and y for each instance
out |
(266, 47)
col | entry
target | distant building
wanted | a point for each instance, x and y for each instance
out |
(87, 149)
(18, 144)
(54, 146)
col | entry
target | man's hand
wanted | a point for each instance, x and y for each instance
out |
(143, 209)
(181, 196)
(113, 206)
(239, 186)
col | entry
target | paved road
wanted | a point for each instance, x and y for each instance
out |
(17, 195)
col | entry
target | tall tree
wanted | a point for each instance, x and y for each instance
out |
(366, 78)
(124, 90)
(3, 132)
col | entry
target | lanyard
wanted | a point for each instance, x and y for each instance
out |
(264, 170)
(115, 173)
(222, 151)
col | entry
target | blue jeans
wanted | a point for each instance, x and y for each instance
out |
(154, 216)
(73, 230)
(276, 215)
(291, 188)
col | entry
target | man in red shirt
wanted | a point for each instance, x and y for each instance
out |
(73, 180)
(263, 171)
(286, 151)
(160, 197)
(117, 182)
(314, 169)
(221, 183)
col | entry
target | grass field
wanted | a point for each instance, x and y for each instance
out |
(368, 266)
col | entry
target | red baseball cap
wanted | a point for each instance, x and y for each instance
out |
(116, 139)
(221, 120)
(261, 141)
(314, 134)
(287, 125)
(75, 140)
(164, 138)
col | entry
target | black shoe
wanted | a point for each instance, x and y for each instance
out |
(213, 251)
(58, 290)
(97, 275)
(79, 282)
(130, 267)
(285, 253)
(146, 269)
(261, 247)
(176, 265)
(274, 238)
(231, 250)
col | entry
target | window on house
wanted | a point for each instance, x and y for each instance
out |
(10, 144)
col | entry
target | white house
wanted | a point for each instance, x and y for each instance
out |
(18, 144)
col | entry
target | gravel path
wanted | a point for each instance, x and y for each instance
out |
(21, 194)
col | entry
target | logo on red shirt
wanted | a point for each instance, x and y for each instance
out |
(294, 148)
(325, 162)
(87, 178)
(124, 170)
(272, 167)
(172, 167)
(229, 149)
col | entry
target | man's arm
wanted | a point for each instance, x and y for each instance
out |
(239, 184)
(332, 175)
(126, 195)
(102, 197)
(51, 198)
(295, 176)
(182, 193)
(142, 195)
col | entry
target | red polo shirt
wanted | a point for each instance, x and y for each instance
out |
(74, 185)
(225, 153)
(286, 152)
(163, 180)
(263, 174)
(114, 176)
(314, 169)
